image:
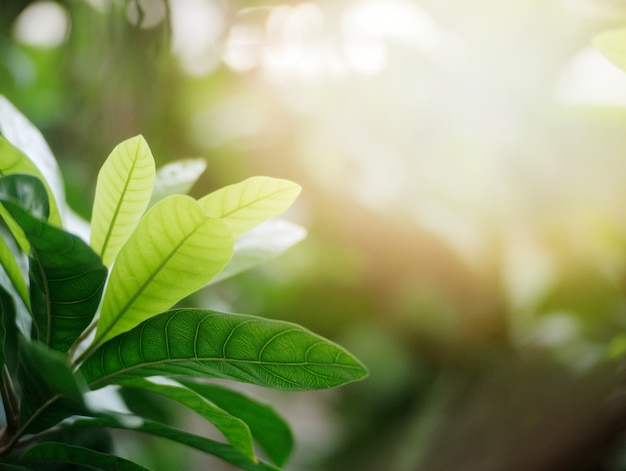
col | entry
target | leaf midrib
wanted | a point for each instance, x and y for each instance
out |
(244, 206)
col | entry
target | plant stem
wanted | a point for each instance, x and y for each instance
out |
(11, 408)
(80, 339)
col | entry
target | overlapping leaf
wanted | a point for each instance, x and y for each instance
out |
(176, 178)
(47, 452)
(247, 204)
(234, 430)
(267, 426)
(50, 392)
(260, 245)
(220, 450)
(196, 342)
(13, 161)
(123, 192)
(66, 280)
(175, 250)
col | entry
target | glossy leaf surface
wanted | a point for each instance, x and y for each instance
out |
(196, 342)
(267, 426)
(138, 424)
(174, 251)
(247, 204)
(66, 280)
(50, 392)
(123, 192)
(48, 452)
(234, 430)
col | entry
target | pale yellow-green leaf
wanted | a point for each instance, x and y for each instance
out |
(247, 204)
(175, 250)
(612, 44)
(123, 192)
(13, 272)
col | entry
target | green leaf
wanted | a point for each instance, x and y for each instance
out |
(220, 450)
(13, 161)
(233, 429)
(23, 317)
(245, 205)
(267, 426)
(50, 392)
(61, 452)
(197, 342)
(13, 273)
(7, 313)
(613, 45)
(66, 280)
(123, 192)
(176, 178)
(174, 251)
(260, 245)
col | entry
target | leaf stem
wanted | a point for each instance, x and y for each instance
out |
(11, 409)
(86, 333)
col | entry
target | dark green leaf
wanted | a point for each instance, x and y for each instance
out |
(197, 342)
(233, 429)
(50, 392)
(51, 451)
(66, 280)
(220, 450)
(267, 426)
(28, 192)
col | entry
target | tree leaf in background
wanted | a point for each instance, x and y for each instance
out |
(44, 453)
(123, 191)
(46, 380)
(234, 429)
(260, 245)
(138, 424)
(268, 428)
(247, 204)
(175, 250)
(176, 178)
(613, 45)
(197, 342)
(20, 132)
(66, 280)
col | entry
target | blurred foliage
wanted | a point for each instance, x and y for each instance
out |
(463, 194)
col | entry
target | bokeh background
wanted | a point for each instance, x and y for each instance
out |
(464, 175)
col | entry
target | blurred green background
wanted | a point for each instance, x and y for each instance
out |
(464, 175)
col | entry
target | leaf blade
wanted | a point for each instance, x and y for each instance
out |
(197, 342)
(123, 192)
(247, 204)
(174, 251)
(612, 44)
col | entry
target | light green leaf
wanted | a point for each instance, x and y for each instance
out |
(175, 250)
(613, 45)
(123, 192)
(66, 280)
(13, 161)
(13, 273)
(247, 204)
(234, 430)
(267, 426)
(51, 392)
(138, 424)
(20, 132)
(47, 452)
(260, 245)
(197, 342)
(177, 178)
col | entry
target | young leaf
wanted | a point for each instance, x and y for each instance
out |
(123, 191)
(47, 452)
(13, 273)
(233, 429)
(260, 245)
(212, 344)
(221, 450)
(66, 280)
(46, 380)
(247, 204)
(613, 45)
(267, 426)
(13, 161)
(174, 251)
(176, 178)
